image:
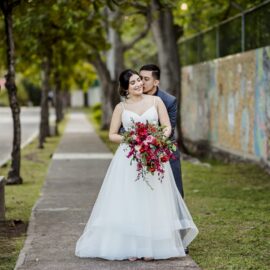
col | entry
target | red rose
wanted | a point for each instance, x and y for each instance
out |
(164, 159)
(142, 150)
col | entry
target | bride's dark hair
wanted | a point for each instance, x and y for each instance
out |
(124, 81)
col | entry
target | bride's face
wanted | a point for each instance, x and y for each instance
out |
(135, 87)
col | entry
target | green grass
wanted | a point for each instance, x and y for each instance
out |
(21, 198)
(230, 204)
(4, 98)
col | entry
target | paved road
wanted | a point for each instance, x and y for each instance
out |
(74, 178)
(30, 124)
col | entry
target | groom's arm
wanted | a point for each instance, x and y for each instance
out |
(172, 111)
(121, 130)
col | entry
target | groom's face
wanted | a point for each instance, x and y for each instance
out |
(149, 82)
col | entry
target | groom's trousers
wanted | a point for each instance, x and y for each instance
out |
(176, 168)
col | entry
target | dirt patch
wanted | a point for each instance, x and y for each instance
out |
(12, 228)
(32, 157)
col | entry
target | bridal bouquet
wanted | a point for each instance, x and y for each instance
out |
(148, 146)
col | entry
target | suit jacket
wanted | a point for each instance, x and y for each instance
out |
(171, 106)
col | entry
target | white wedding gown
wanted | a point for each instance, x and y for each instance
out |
(131, 220)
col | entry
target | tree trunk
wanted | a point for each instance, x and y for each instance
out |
(166, 39)
(2, 199)
(108, 90)
(115, 56)
(44, 127)
(66, 99)
(59, 105)
(58, 98)
(58, 109)
(109, 72)
(85, 99)
(14, 173)
(58, 101)
(115, 65)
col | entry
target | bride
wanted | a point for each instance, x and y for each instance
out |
(129, 220)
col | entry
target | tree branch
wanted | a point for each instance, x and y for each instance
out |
(14, 3)
(227, 11)
(100, 66)
(139, 6)
(4, 6)
(179, 31)
(7, 7)
(237, 6)
(139, 37)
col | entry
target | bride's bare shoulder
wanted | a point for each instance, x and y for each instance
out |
(148, 97)
(119, 106)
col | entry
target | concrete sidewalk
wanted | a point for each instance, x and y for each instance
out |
(58, 218)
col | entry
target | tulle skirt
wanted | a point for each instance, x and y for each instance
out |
(129, 219)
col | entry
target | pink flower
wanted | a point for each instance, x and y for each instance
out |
(150, 139)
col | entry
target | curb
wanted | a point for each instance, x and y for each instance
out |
(28, 141)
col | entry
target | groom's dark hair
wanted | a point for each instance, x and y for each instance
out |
(154, 68)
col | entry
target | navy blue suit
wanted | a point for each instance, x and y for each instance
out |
(171, 105)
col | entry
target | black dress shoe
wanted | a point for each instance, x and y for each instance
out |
(186, 250)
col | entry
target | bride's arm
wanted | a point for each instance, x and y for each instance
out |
(164, 117)
(115, 125)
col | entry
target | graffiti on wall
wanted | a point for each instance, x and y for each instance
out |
(227, 102)
(262, 104)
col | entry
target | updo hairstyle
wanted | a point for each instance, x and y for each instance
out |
(124, 81)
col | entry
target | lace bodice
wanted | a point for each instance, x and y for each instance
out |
(150, 115)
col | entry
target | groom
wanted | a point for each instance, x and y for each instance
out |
(150, 75)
